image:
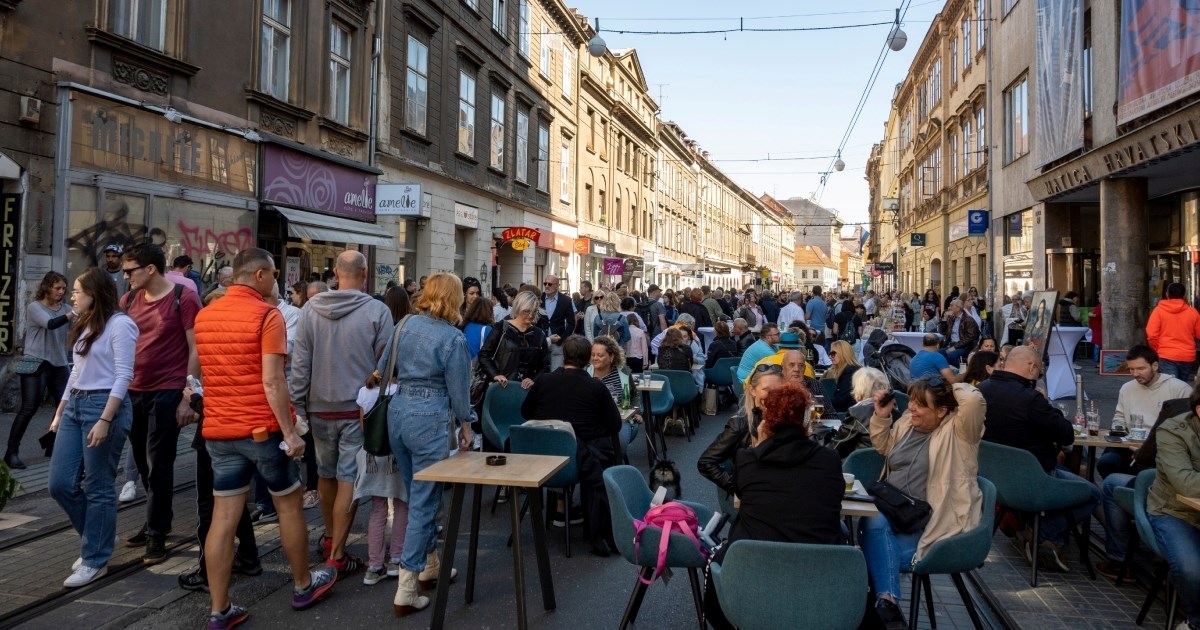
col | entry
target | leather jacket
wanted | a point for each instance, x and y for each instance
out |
(736, 435)
(516, 355)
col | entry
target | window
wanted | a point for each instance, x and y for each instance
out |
(545, 67)
(804, 274)
(500, 17)
(981, 31)
(143, 21)
(953, 161)
(1087, 64)
(523, 33)
(954, 61)
(276, 38)
(981, 139)
(568, 72)
(1016, 120)
(339, 73)
(474, 4)
(967, 155)
(966, 51)
(417, 86)
(1008, 5)
(543, 166)
(466, 113)
(522, 146)
(497, 150)
(564, 171)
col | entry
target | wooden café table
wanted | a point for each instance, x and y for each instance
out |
(1192, 502)
(1096, 442)
(520, 471)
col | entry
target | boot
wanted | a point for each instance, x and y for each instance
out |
(407, 599)
(433, 567)
(12, 461)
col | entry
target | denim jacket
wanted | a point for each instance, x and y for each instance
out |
(433, 355)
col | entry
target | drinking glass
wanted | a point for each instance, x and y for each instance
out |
(1093, 423)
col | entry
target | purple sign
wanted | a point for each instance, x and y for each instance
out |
(293, 178)
(614, 266)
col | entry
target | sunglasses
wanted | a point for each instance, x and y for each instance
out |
(128, 271)
(768, 367)
(833, 353)
(598, 298)
(549, 284)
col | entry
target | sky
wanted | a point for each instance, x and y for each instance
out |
(747, 96)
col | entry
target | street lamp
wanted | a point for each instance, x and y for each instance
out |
(596, 46)
(897, 38)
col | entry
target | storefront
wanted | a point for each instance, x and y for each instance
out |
(398, 209)
(315, 206)
(511, 247)
(593, 264)
(130, 175)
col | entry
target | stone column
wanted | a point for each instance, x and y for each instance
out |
(1124, 259)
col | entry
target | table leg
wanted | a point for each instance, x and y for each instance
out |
(1091, 476)
(648, 426)
(476, 499)
(539, 546)
(518, 570)
(443, 586)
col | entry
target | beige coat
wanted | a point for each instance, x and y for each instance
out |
(952, 489)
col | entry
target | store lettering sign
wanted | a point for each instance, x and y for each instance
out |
(582, 246)
(614, 266)
(10, 211)
(297, 179)
(398, 200)
(126, 139)
(466, 216)
(527, 233)
(600, 249)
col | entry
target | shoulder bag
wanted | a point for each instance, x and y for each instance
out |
(376, 439)
(906, 514)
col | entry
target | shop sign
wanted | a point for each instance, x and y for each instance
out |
(882, 267)
(466, 216)
(957, 230)
(521, 244)
(916, 239)
(297, 179)
(583, 246)
(600, 248)
(514, 233)
(716, 270)
(977, 222)
(614, 266)
(556, 242)
(403, 200)
(126, 139)
(634, 265)
(10, 211)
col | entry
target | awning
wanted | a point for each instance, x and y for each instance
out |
(323, 227)
(8, 168)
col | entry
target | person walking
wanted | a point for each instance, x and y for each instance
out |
(91, 422)
(1172, 332)
(46, 320)
(560, 318)
(433, 398)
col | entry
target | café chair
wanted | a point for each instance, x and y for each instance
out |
(866, 464)
(1141, 489)
(828, 390)
(687, 397)
(719, 375)
(502, 411)
(548, 441)
(628, 499)
(767, 585)
(739, 387)
(725, 500)
(1022, 486)
(901, 401)
(955, 555)
(1124, 498)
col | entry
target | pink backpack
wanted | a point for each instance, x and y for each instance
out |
(671, 514)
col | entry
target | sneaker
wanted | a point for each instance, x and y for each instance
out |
(251, 568)
(393, 568)
(228, 619)
(139, 539)
(194, 581)
(1051, 556)
(674, 426)
(78, 563)
(128, 492)
(325, 545)
(889, 613)
(374, 576)
(1112, 568)
(347, 565)
(84, 575)
(320, 581)
(503, 496)
(261, 517)
(311, 499)
(559, 520)
(156, 550)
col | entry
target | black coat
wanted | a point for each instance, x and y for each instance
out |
(721, 348)
(513, 354)
(843, 397)
(697, 310)
(675, 358)
(736, 435)
(562, 321)
(1020, 416)
(574, 396)
(791, 490)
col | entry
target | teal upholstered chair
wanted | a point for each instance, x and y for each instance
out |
(661, 404)
(901, 401)
(954, 556)
(1023, 486)
(628, 499)
(828, 390)
(1141, 489)
(1124, 498)
(687, 396)
(866, 464)
(778, 585)
(739, 386)
(548, 441)
(501, 411)
(719, 375)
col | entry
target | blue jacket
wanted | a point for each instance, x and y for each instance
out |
(433, 355)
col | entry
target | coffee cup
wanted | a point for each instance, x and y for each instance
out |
(849, 479)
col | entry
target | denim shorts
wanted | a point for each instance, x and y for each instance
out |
(234, 463)
(337, 443)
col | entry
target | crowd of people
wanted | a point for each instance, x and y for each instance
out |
(280, 385)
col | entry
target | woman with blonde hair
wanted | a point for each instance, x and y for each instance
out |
(742, 427)
(609, 321)
(432, 400)
(845, 364)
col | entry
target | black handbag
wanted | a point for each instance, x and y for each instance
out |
(906, 514)
(376, 439)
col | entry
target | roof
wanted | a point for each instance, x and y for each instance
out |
(809, 255)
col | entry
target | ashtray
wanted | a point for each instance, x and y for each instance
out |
(496, 460)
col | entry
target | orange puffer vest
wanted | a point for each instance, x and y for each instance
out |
(229, 342)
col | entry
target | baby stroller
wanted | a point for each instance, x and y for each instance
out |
(892, 359)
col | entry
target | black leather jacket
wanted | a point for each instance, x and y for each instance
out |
(735, 436)
(514, 354)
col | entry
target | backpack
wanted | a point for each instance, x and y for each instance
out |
(127, 299)
(668, 516)
(849, 334)
(642, 308)
(610, 327)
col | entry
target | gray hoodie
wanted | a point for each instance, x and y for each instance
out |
(338, 339)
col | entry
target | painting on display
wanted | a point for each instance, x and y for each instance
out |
(1041, 317)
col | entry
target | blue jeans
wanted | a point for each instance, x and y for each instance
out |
(82, 478)
(887, 553)
(419, 428)
(1118, 526)
(1179, 369)
(954, 355)
(1054, 524)
(1180, 544)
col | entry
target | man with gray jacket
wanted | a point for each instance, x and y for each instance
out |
(339, 337)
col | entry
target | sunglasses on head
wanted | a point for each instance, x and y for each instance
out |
(768, 367)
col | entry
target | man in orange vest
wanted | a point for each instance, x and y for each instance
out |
(242, 343)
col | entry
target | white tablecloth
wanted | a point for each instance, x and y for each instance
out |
(1060, 376)
(913, 340)
(706, 335)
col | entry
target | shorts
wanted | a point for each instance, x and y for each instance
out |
(234, 463)
(337, 443)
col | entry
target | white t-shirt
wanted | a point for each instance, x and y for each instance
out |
(367, 397)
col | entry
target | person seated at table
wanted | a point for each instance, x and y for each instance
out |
(932, 454)
(607, 363)
(684, 320)
(980, 366)
(714, 462)
(789, 486)
(793, 339)
(722, 346)
(742, 335)
(1177, 526)
(675, 353)
(1004, 350)
(1018, 415)
(764, 347)
(961, 332)
(1149, 392)
(845, 364)
(929, 362)
(988, 344)
(570, 394)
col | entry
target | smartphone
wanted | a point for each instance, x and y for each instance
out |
(1113, 438)
(859, 498)
(887, 399)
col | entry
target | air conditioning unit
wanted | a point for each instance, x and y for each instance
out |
(31, 110)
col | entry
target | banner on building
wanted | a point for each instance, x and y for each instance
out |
(1059, 64)
(10, 211)
(614, 266)
(977, 222)
(1160, 55)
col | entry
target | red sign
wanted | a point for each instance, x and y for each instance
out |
(556, 242)
(583, 246)
(514, 233)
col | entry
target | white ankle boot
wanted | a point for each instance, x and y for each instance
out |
(408, 599)
(433, 568)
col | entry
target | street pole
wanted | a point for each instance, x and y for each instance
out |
(991, 231)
